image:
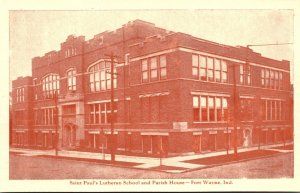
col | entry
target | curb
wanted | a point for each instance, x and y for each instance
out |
(233, 162)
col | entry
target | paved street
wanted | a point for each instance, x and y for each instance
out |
(34, 167)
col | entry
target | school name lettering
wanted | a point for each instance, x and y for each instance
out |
(151, 182)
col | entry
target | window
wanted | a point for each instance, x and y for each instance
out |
(207, 68)
(100, 113)
(267, 78)
(153, 108)
(276, 86)
(35, 87)
(144, 71)
(154, 69)
(210, 108)
(100, 77)
(280, 81)
(203, 102)
(217, 70)
(71, 75)
(271, 79)
(224, 71)
(246, 111)
(196, 108)
(195, 66)
(20, 95)
(50, 85)
(203, 69)
(48, 116)
(70, 52)
(210, 69)
(263, 77)
(272, 109)
(245, 74)
(163, 67)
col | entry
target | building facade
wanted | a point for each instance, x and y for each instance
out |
(173, 93)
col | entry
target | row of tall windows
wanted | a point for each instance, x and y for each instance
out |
(154, 68)
(100, 77)
(272, 110)
(100, 113)
(271, 79)
(208, 68)
(210, 108)
(46, 116)
(50, 85)
(20, 95)
(154, 109)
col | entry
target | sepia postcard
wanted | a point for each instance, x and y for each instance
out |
(152, 97)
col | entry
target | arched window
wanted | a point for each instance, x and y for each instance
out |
(50, 85)
(100, 76)
(71, 75)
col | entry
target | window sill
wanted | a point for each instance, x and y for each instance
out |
(153, 123)
(210, 122)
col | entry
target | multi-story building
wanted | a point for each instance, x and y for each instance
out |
(172, 92)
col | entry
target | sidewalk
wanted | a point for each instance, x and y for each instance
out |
(177, 164)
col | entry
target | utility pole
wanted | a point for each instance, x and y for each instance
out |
(112, 117)
(56, 122)
(235, 111)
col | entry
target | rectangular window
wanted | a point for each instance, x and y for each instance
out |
(280, 81)
(145, 77)
(224, 71)
(153, 69)
(71, 80)
(263, 77)
(196, 108)
(269, 110)
(163, 67)
(241, 74)
(210, 69)
(195, 66)
(272, 81)
(248, 74)
(100, 113)
(219, 108)
(211, 107)
(203, 102)
(264, 109)
(276, 80)
(225, 109)
(246, 111)
(267, 82)
(203, 74)
(217, 70)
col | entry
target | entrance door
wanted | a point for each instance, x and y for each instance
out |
(70, 138)
(247, 138)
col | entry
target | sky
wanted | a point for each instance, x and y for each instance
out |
(34, 33)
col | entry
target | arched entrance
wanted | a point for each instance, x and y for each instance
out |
(70, 135)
